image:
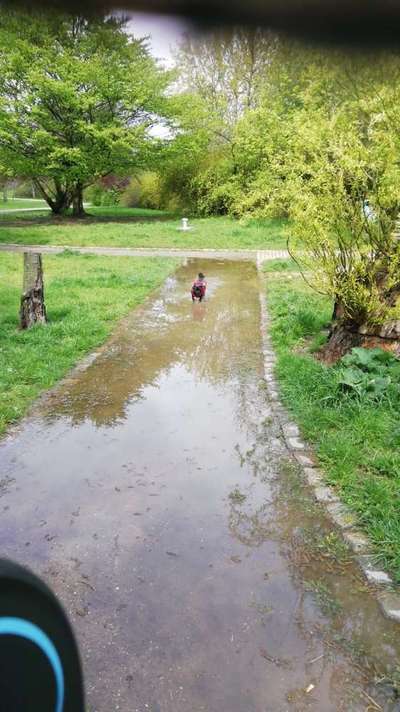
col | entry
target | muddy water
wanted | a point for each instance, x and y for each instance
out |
(154, 494)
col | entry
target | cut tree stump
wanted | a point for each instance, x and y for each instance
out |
(33, 309)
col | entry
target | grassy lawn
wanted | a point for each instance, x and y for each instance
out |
(118, 211)
(357, 440)
(85, 296)
(21, 204)
(145, 230)
(38, 218)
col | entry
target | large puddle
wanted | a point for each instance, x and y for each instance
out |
(153, 492)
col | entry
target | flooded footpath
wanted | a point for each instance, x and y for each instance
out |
(153, 492)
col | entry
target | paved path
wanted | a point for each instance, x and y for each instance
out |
(23, 210)
(256, 255)
(154, 492)
(44, 208)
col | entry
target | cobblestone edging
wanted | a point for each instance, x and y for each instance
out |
(387, 592)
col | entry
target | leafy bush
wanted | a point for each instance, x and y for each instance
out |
(111, 197)
(131, 196)
(143, 191)
(370, 373)
(213, 188)
(94, 194)
(150, 191)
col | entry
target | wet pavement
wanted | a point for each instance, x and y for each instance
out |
(154, 494)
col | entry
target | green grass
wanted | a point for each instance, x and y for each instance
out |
(357, 440)
(118, 211)
(146, 231)
(38, 218)
(21, 204)
(85, 296)
(287, 265)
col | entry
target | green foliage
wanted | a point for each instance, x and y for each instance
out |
(144, 190)
(369, 360)
(370, 373)
(130, 198)
(94, 194)
(85, 295)
(150, 191)
(212, 191)
(221, 76)
(111, 197)
(335, 169)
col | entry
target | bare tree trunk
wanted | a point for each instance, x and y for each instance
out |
(344, 334)
(341, 340)
(78, 210)
(59, 202)
(33, 309)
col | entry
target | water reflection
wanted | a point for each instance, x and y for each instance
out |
(217, 340)
(199, 310)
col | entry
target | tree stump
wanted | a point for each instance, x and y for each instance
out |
(33, 309)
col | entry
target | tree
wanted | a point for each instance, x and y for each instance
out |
(261, 138)
(220, 76)
(342, 182)
(226, 69)
(78, 97)
(4, 185)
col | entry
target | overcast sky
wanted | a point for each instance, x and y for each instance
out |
(165, 32)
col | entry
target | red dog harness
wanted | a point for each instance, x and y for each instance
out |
(198, 289)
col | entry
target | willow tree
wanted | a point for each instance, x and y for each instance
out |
(78, 96)
(343, 185)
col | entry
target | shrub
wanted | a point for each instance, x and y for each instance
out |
(369, 373)
(150, 191)
(111, 197)
(94, 194)
(144, 191)
(130, 198)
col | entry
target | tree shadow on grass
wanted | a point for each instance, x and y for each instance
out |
(87, 220)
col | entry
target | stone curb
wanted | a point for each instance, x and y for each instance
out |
(257, 256)
(387, 593)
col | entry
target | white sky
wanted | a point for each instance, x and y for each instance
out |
(165, 32)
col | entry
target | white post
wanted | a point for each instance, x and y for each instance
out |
(185, 225)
